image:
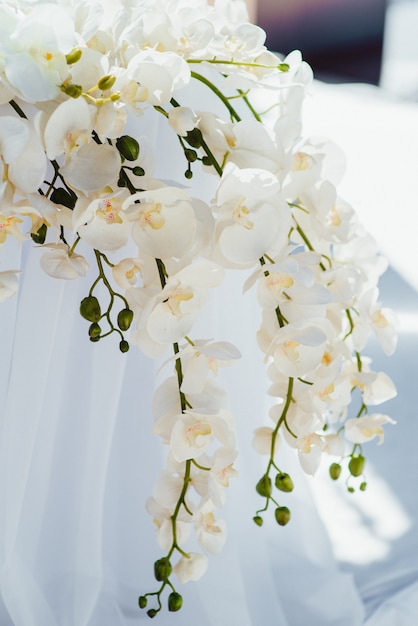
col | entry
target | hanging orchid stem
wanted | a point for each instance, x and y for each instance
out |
(308, 243)
(181, 502)
(271, 463)
(218, 93)
(73, 247)
(18, 110)
(249, 105)
(283, 67)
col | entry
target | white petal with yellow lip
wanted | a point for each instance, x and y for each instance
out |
(164, 222)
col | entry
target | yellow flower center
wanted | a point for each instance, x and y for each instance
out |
(151, 216)
(196, 431)
(109, 211)
(8, 226)
(240, 215)
(176, 298)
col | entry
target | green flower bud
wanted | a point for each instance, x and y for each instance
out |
(90, 309)
(142, 601)
(188, 174)
(74, 91)
(363, 486)
(284, 67)
(194, 138)
(350, 489)
(128, 147)
(282, 515)
(162, 569)
(258, 520)
(335, 471)
(94, 331)
(64, 197)
(207, 161)
(124, 346)
(263, 487)
(190, 155)
(125, 318)
(40, 235)
(284, 482)
(175, 601)
(106, 82)
(356, 465)
(152, 613)
(138, 171)
(73, 56)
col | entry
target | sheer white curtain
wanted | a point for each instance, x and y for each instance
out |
(77, 462)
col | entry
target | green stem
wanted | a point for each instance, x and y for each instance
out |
(283, 67)
(218, 93)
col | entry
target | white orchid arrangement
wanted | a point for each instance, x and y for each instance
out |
(83, 86)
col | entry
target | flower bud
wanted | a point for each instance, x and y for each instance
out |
(142, 601)
(263, 486)
(335, 471)
(363, 486)
(207, 161)
(258, 520)
(194, 138)
(284, 482)
(128, 147)
(90, 309)
(94, 331)
(175, 601)
(124, 346)
(282, 515)
(125, 318)
(350, 489)
(356, 465)
(138, 171)
(162, 569)
(61, 196)
(74, 91)
(190, 155)
(188, 174)
(152, 613)
(73, 56)
(106, 82)
(40, 235)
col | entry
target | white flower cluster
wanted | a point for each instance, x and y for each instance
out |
(84, 86)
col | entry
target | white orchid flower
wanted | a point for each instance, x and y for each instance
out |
(34, 51)
(101, 222)
(159, 74)
(191, 567)
(174, 311)
(201, 358)
(210, 532)
(299, 350)
(366, 428)
(163, 221)
(9, 284)
(58, 262)
(22, 152)
(251, 214)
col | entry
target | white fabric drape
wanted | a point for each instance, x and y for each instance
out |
(78, 461)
